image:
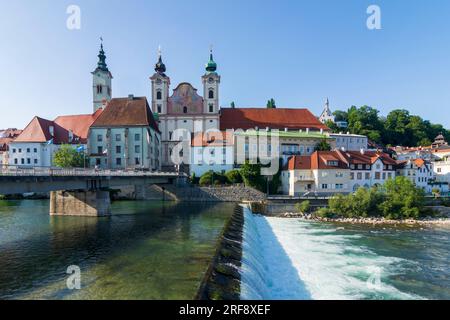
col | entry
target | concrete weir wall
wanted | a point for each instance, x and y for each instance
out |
(80, 203)
(222, 281)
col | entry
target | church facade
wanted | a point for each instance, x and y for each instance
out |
(184, 108)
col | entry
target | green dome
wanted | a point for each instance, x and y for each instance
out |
(211, 66)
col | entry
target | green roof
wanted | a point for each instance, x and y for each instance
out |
(284, 134)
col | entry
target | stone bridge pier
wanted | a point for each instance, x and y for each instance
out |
(80, 203)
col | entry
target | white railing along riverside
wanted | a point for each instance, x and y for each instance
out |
(79, 172)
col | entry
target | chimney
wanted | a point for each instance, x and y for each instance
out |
(285, 129)
(131, 97)
(51, 130)
(307, 130)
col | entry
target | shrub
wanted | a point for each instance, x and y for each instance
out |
(212, 177)
(303, 207)
(234, 176)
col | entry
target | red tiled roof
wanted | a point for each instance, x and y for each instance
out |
(126, 112)
(368, 157)
(318, 160)
(38, 130)
(279, 118)
(213, 139)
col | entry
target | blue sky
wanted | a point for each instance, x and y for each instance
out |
(298, 52)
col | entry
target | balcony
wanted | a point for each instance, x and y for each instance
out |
(304, 177)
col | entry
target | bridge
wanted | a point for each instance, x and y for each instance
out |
(75, 191)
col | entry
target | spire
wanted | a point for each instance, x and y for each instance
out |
(211, 66)
(102, 58)
(160, 67)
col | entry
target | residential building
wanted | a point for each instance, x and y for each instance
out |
(212, 150)
(6, 137)
(368, 168)
(322, 173)
(350, 142)
(41, 138)
(125, 136)
(185, 108)
(418, 171)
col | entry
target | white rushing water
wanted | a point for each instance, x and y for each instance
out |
(293, 259)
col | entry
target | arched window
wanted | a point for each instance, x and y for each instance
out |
(211, 107)
(211, 94)
(158, 95)
(99, 89)
(185, 109)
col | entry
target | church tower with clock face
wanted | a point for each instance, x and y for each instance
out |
(101, 82)
(211, 82)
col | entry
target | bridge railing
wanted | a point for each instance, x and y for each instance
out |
(18, 171)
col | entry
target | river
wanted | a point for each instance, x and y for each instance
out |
(143, 251)
(298, 259)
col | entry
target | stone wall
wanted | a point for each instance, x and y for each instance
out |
(236, 193)
(222, 280)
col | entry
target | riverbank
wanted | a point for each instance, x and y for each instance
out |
(428, 221)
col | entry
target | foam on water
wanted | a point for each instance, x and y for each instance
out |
(295, 259)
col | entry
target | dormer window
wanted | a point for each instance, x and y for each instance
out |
(332, 163)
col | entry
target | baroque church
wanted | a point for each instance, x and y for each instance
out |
(184, 108)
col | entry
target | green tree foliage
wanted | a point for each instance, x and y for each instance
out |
(398, 128)
(234, 176)
(402, 199)
(399, 198)
(251, 175)
(303, 207)
(68, 157)
(271, 104)
(323, 145)
(212, 178)
(333, 127)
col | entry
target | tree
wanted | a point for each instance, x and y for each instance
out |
(303, 206)
(402, 199)
(212, 178)
(271, 104)
(251, 175)
(68, 157)
(340, 115)
(234, 176)
(323, 145)
(365, 121)
(333, 127)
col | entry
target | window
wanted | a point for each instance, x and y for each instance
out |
(377, 176)
(20, 150)
(35, 161)
(118, 149)
(359, 175)
(22, 161)
(211, 94)
(159, 108)
(99, 89)
(15, 161)
(137, 161)
(99, 138)
(119, 161)
(97, 162)
(100, 150)
(158, 95)
(137, 137)
(185, 109)
(170, 135)
(35, 150)
(352, 176)
(384, 175)
(14, 150)
(28, 161)
(137, 149)
(339, 186)
(324, 186)
(211, 107)
(28, 150)
(118, 137)
(367, 175)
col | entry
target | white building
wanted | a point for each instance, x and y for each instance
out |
(212, 151)
(184, 109)
(418, 171)
(350, 142)
(322, 173)
(326, 115)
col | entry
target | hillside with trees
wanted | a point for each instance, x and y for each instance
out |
(399, 127)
